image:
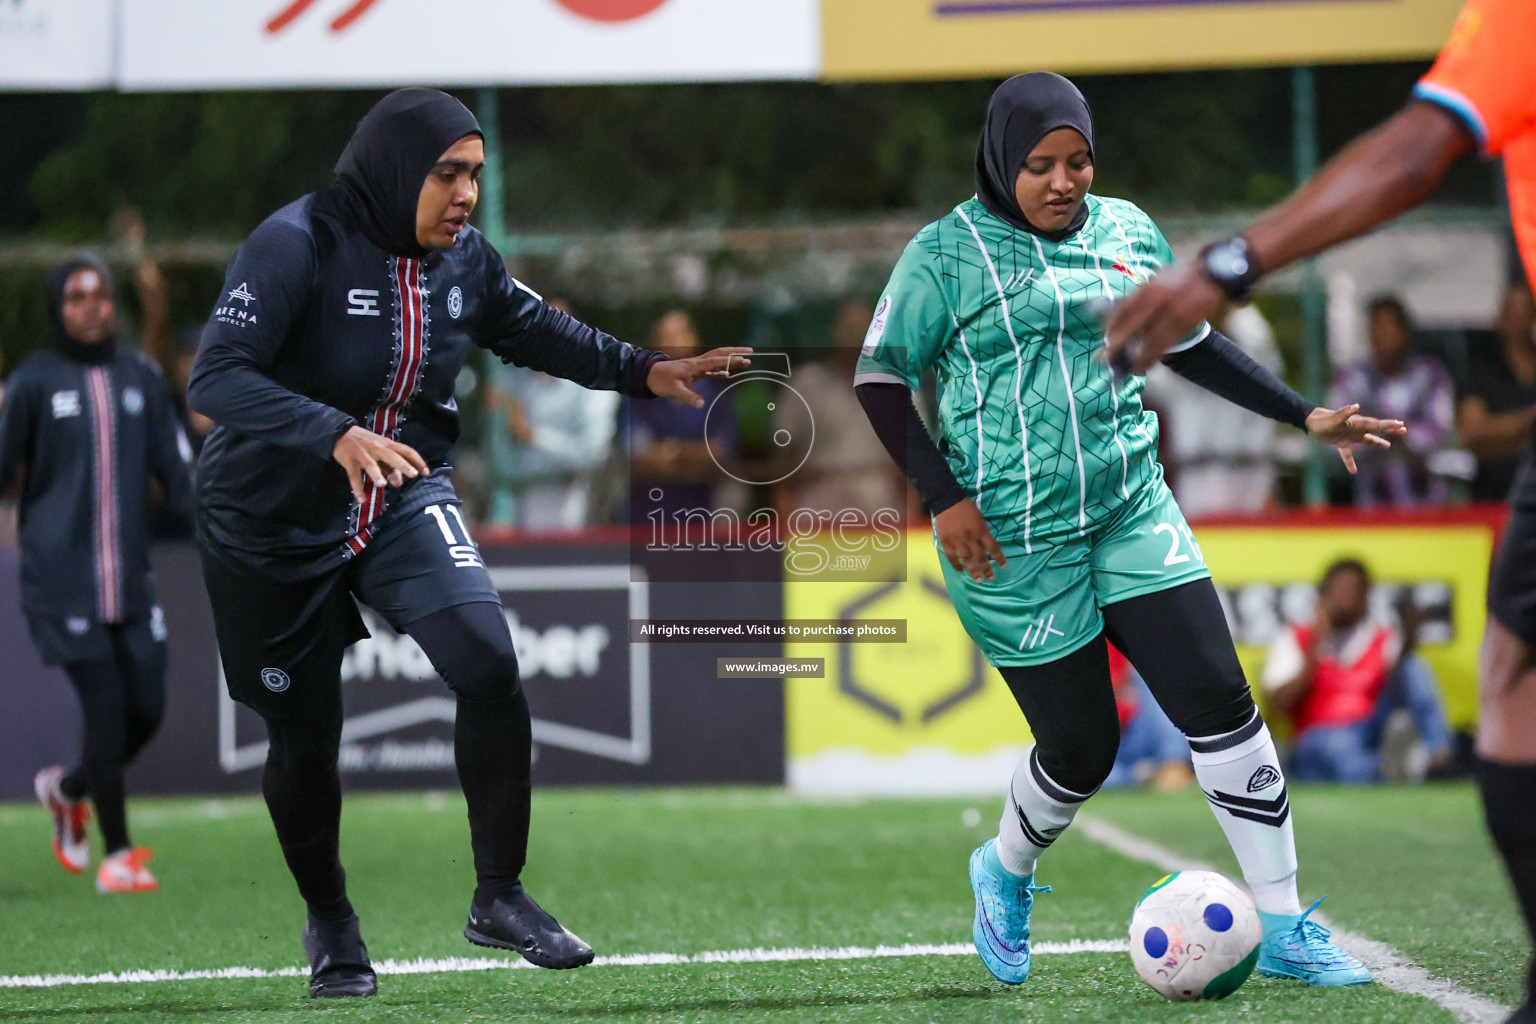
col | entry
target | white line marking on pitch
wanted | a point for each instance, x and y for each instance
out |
(1388, 967)
(453, 965)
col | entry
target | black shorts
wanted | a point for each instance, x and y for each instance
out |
(282, 643)
(1512, 581)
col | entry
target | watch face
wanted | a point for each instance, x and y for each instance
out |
(1227, 263)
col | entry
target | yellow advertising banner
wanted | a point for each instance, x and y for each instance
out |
(931, 716)
(874, 39)
(897, 717)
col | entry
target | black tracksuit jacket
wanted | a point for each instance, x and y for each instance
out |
(319, 329)
(84, 440)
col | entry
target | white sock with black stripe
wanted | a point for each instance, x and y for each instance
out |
(1240, 774)
(1037, 811)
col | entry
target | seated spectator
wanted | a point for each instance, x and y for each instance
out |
(841, 462)
(548, 435)
(1498, 402)
(1416, 389)
(1152, 749)
(670, 442)
(1341, 676)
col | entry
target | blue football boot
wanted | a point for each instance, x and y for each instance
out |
(1003, 903)
(1300, 949)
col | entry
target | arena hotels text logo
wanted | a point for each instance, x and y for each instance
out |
(346, 15)
(237, 316)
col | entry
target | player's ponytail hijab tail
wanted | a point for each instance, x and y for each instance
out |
(379, 174)
(1024, 110)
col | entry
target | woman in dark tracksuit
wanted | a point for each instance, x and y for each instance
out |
(329, 366)
(84, 427)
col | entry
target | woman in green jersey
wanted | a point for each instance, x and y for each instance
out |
(1058, 531)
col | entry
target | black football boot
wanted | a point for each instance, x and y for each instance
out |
(338, 960)
(511, 920)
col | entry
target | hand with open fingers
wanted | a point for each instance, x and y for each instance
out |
(1160, 314)
(1344, 428)
(966, 540)
(372, 458)
(673, 378)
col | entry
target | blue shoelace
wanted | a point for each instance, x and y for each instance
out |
(1314, 939)
(1024, 891)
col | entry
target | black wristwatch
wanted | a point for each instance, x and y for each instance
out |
(1231, 265)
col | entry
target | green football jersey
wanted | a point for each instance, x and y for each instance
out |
(1030, 417)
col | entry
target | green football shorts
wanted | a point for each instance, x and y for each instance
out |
(1045, 605)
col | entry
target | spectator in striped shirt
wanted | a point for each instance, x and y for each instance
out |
(1395, 383)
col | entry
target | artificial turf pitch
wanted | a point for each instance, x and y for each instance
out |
(687, 872)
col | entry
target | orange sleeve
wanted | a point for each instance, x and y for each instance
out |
(1486, 74)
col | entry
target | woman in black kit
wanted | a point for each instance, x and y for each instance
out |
(328, 366)
(84, 427)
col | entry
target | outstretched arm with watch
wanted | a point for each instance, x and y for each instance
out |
(1379, 176)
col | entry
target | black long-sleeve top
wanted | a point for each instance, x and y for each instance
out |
(1216, 363)
(83, 441)
(317, 330)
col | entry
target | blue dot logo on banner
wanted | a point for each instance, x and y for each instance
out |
(275, 679)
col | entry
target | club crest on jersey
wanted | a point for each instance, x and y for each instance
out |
(133, 401)
(66, 404)
(877, 325)
(455, 302)
(275, 679)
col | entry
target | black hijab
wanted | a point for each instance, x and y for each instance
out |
(98, 354)
(380, 173)
(1024, 110)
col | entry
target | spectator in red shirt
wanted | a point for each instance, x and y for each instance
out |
(1342, 675)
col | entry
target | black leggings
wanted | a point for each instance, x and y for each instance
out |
(1179, 642)
(122, 699)
(471, 648)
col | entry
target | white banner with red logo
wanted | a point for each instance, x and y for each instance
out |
(212, 44)
(56, 44)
